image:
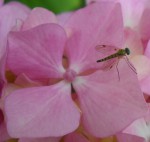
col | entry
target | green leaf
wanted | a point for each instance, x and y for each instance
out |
(57, 6)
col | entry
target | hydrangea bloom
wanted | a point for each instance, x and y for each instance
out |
(135, 13)
(38, 53)
(136, 22)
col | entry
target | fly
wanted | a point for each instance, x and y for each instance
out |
(119, 53)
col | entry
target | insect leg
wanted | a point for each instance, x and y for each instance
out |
(117, 69)
(129, 64)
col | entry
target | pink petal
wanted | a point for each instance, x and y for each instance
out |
(147, 50)
(37, 17)
(145, 24)
(37, 52)
(8, 89)
(129, 138)
(132, 13)
(133, 41)
(106, 21)
(39, 140)
(107, 103)
(63, 18)
(23, 81)
(75, 137)
(142, 65)
(145, 85)
(41, 112)
(8, 16)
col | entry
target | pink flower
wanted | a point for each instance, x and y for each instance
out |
(131, 13)
(49, 110)
(137, 16)
(137, 22)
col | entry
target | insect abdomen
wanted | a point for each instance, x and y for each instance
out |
(107, 58)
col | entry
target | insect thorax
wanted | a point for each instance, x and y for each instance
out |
(121, 52)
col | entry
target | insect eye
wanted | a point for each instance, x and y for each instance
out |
(127, 50)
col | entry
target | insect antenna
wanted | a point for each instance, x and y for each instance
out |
(118, 70)
(130, 65)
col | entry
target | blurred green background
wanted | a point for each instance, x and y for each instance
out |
(57, 6)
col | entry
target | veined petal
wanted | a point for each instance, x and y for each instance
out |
(37, 17)
(107, 103)
(37, 52)
(41, 112)
(107, 28)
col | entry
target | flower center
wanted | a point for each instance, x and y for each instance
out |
(70, 75)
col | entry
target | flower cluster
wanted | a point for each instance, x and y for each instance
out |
(51, 87)
(136, 17)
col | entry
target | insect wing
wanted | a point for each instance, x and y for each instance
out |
(106, 49)
(109, 64)
(103, 51)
